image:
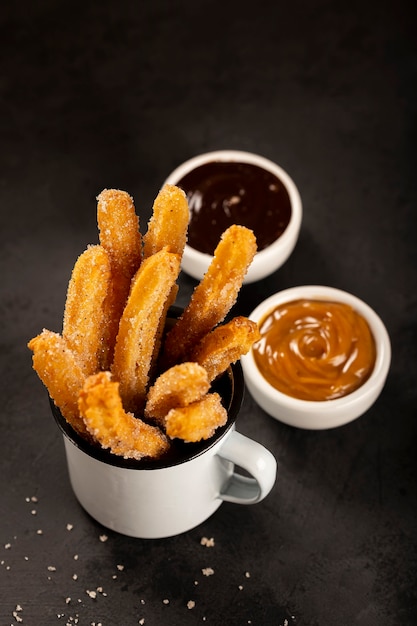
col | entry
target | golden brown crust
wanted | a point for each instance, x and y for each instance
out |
(141, 319)
(225, 345)
(84, 319)
(60, 371)
(198, 420)
(214, 296)
(177, 387)
(101, 408)
(119, 230)
(120, 236)
(169, 222)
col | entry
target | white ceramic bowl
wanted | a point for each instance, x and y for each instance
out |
(268, 260)
(319, 415)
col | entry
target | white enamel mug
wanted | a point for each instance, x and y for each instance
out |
(156, 499)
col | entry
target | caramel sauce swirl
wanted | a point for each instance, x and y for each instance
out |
(315, 350)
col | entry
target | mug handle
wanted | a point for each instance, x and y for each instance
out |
(257, 461)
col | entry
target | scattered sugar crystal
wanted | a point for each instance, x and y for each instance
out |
(92, 594)
(8, 546)
(120, 568)
(208, 571)
(51, 568)
(39, 531)
(205, 541)
(103, 538)
(70, 526)
(33, 511)
(166, 601)
(247, 574)
(190, 604)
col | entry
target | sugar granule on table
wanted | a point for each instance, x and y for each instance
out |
(205, 541)
(207, 571)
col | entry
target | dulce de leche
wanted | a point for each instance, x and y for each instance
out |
(315, 350)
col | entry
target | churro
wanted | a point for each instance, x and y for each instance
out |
(225, 345)
(83, 326)
(60, 371)
(196, 421)
(139, 325)
(214, 295)
(119, 235)
(101, 408)
(168, 224)
(177, 387)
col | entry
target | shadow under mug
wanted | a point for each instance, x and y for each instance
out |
(153, 499)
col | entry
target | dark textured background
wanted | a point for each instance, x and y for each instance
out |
(116, 94)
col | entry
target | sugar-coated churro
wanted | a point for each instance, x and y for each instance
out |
(177, 387)
(214, 295)
(169, 222)
(198, 420)
(120, 236)
(139, 325)
(101, 408)
(60, 371)
(225, 345)
(84, 326)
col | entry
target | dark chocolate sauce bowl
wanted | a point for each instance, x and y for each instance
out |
(229, 187)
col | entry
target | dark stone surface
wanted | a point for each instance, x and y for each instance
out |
(116, 94)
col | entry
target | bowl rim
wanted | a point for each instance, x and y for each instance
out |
(324, 407)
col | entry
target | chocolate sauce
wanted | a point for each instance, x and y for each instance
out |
(224, 193)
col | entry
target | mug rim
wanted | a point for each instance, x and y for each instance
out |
(94, 450)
